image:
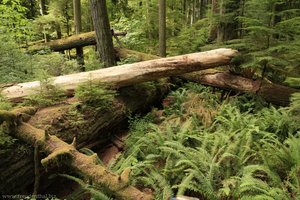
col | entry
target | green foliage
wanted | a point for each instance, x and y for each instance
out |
(54, 64)
(295, 104)
(6, 141)
(95, 193)
(14, 64)
(17, 66)
(47, 24)
(4, 103)
(191, 38)
(47, 95)
(271, 35)
(62, 11)
(13, 20)
(91, 59)
(96, 95)
(242, 154)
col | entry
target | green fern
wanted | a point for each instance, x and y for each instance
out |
(96, 194)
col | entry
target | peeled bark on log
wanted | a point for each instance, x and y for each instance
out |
(273, 93)
(16, 164)
(75, 41)
(129, 74)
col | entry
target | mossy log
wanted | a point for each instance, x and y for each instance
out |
(75, 41)
(129, 74)
(66, 122)
(59, 151)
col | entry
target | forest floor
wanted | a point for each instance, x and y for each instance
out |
(205, 144)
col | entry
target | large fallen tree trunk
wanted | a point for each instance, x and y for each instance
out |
(124, 75)
(89, 126)
(60, 152)
(273, 93)
(75, 41)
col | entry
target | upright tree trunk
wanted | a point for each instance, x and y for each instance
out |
(162, 28)
(193, 16)
(43, 11)
(103, 32)
(78, 28)
(228, 30)
(213, 27)
(221, 25)
(202, 8)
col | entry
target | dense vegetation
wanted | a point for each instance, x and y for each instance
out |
(267, 32)
(203, 146)
(238, 148)
(200, 143)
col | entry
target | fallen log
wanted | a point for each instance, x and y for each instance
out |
(88, 126)
(62, 152)
(75, 41)
(129, 74)
(273, 93)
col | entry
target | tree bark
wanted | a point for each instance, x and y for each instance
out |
(103, 32)
(60, 151)
(43, 11)
(162, 28)
(129, 74)
(43, 8)
(81, 40)
(273, 93)
(17, 164)
(213, 28)
(78, 28)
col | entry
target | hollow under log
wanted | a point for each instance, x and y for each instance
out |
(88, 126)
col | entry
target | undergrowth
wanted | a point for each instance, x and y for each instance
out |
(97, 95)
(208, 147)
(213, 149)
(47, 95)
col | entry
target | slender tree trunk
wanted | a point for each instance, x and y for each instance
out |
(162, 28)
(67, 17)
(103, 32)
(148, 19)
(221, 25)
(43, 8)
(78, 29)
(43, 11)
(193, 12)
(213, 27)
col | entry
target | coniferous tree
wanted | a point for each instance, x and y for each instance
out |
(78, 28)
(103, 32)
(162, 28)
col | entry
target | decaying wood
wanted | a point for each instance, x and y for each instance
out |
(62, 152)
(75, 41)
(129, 74)
(273, 93)
(17, 165)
